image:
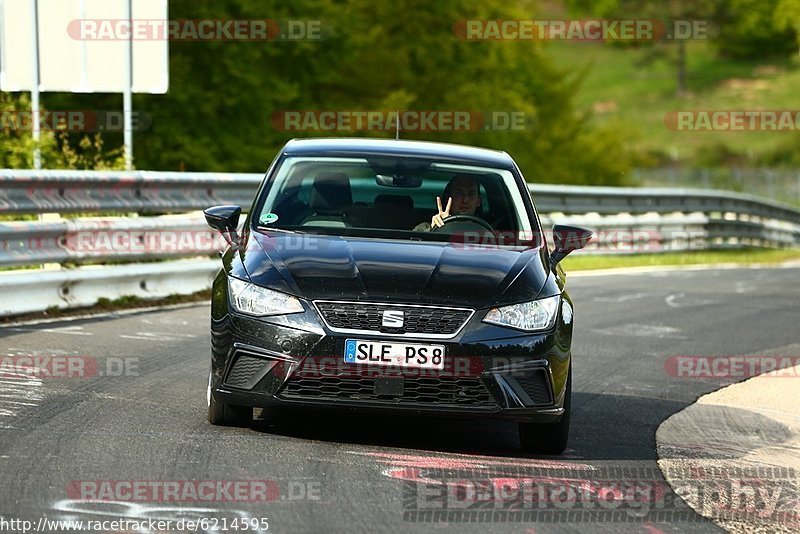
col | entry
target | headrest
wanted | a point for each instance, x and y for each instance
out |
(330, 191)
(403, 201)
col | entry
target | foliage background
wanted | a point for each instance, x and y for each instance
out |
(400, 55)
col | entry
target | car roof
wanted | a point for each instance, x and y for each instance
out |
(404, 148)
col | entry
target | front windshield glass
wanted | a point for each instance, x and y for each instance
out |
(397, 198)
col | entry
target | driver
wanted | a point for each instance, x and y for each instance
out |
(463, 198)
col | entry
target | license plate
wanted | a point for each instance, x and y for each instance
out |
(394, 354)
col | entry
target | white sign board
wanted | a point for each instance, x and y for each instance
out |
(69, 62)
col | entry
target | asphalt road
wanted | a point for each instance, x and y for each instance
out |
(63, 439)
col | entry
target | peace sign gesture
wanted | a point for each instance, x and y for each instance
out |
(438, 219)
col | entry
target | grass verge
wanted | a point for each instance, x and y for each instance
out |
(634, 89)
(578, 262)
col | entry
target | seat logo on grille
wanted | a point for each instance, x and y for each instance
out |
(392, 319)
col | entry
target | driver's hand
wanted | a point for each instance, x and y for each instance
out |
(438, 219)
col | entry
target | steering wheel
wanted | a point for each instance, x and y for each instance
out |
(465, 220)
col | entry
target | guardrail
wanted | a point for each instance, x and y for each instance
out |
(782, 185)
(626, 220)
(76, 241)
(32, 291)
(611, 200)
(108, 239)
(23, 191)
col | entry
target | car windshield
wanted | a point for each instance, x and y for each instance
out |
(396, 198)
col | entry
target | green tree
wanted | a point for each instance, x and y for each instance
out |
(17, 145)
(757, 28)
(374, 56)
(16, 140)
(665, 12)
(787, 17)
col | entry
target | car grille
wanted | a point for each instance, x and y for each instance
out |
(460, 392)
(425, 320)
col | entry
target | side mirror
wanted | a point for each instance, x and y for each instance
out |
(566, 239)
(226, 220)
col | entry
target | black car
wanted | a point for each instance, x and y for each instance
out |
(384, 275)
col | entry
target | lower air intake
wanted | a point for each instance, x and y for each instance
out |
(244, 369)
(537, 386)
(460, 392)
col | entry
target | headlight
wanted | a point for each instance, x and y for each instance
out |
(255, 300)
(529, 316)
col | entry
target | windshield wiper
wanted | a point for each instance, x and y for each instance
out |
(282, 230)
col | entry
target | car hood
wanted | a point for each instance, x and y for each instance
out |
(345, 268)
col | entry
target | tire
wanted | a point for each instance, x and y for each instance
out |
(221, 414)
(548, 438)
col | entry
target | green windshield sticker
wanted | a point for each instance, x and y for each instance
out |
(268, 218)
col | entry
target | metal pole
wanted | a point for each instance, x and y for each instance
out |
(37, 153)
(84, 54)
(127, 96)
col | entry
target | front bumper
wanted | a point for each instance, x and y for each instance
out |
(296, 361)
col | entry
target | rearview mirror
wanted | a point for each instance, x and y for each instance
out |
(226, 220)
(566, 239)
(398, 171)
(398, 180)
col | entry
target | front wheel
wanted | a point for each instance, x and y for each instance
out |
(548, 438)
(222, 414)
